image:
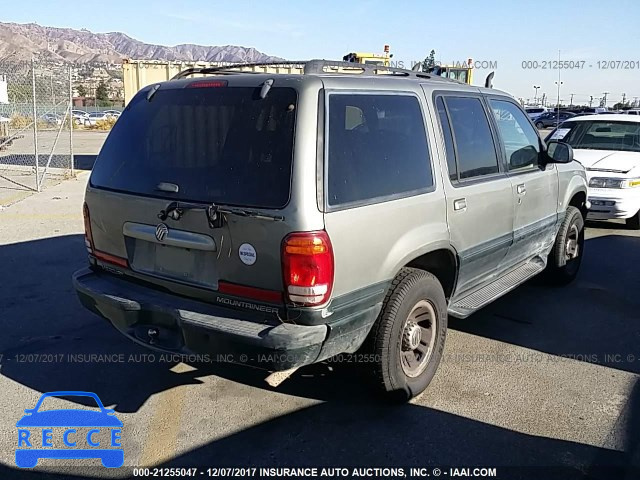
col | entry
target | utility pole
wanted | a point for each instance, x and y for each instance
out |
(624, 98)
(535, 97)
(558, 102)
(590, 100)
(571, 105)
(35, 120)
(70, 107)
(558, 83)
(604, 98)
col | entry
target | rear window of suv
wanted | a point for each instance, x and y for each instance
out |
(219, 145)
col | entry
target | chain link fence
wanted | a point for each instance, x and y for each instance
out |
(36, 124)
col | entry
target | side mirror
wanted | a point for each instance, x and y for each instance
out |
(559, 152)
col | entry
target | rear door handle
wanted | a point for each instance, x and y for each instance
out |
(460, 204)
(521, 189)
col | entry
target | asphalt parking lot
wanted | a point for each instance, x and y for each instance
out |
(542, 377)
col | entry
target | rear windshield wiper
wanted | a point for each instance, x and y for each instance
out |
(175, 210)
(242, 212)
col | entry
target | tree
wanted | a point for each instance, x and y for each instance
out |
(82, 91)
(102, 94)
(430, 61)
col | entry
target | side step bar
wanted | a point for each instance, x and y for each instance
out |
(474, 301)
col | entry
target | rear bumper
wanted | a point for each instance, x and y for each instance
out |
(217, 334)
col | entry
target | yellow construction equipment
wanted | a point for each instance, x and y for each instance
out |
(461, 72)
(370, 58)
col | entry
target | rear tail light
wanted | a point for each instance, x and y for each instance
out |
(88, 236)
(88, 242)
(105, 257)
(307, 262)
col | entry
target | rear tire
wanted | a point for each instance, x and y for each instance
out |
(408, 337)
(539, 125)
(566, 256)
(634, 222)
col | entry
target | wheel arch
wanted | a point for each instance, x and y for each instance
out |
(442, 263)
(579, 200)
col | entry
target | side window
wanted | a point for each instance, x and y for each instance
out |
(377, 147)
(521, 143)
(448, 139)
(476, 153)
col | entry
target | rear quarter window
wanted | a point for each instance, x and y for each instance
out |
(377, 148)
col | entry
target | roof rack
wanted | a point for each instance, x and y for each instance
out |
(320, 66)
(233, 68)
(312, 67)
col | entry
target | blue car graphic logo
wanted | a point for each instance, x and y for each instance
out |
(36, 432)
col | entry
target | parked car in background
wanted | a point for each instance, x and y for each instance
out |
(609, 148)
(113, 113)
(79, 116)
(633, 111)
(551, 119)
(535, 112)
(94, 117)
(587, 110)
(52, 118)
(310, 273)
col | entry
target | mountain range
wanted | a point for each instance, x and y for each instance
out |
(26, 41)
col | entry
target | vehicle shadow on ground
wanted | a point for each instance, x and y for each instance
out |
(366, 434)
(42, 321)
(595, 319)
(607, 225)
(334, 434)
(48, 337)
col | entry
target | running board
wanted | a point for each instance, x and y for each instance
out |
(465, 306)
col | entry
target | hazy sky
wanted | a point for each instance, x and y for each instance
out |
(507, 32)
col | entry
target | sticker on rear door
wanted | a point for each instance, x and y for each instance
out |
(247, 254)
